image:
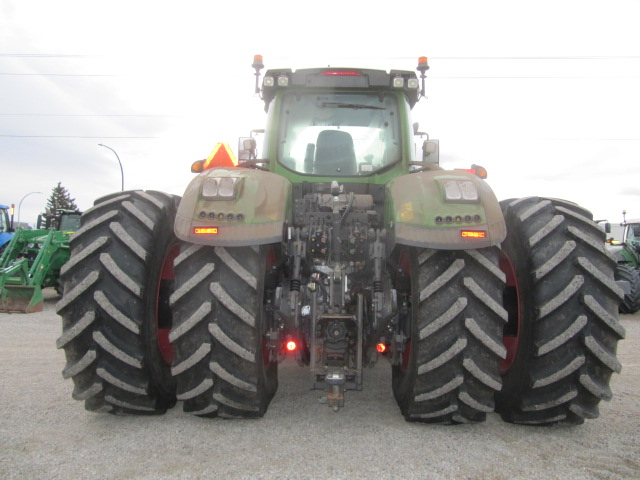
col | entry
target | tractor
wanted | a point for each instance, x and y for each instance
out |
(341, 243)
(6, 226)
(32, 261)
(627, 255)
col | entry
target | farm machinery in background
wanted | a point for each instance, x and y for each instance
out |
(341, 243)
(627, 255)
(32, 260)
(6, 225)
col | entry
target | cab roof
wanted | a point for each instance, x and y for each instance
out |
(334, 78)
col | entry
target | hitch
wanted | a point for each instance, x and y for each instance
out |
(336, 353)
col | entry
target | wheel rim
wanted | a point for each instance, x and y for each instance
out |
(163, 310)
(511, 301)
(271, 260)
(404, 262)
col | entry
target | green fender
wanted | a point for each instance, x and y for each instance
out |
(420, 213)
(234, 207)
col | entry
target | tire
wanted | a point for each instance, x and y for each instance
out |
(563, 325)
(221, 362)
(115, 319)
(450, 368)
(630, 302)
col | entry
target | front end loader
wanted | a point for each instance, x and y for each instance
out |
(32, 261)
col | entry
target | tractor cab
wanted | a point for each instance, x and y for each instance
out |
(328, 123)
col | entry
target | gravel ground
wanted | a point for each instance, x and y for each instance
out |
(44, 434)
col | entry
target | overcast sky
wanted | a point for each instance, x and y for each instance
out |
(543, 94)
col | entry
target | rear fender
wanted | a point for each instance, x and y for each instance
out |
(251, 209)
(419, 213)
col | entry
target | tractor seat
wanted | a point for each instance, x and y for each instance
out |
(335, 155)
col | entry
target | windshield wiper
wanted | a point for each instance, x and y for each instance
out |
(355, 106)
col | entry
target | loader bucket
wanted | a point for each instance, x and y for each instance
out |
(21, 299)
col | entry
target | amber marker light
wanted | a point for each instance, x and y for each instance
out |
(197, 166)
(423, 64)
(473, 234)
(480, 171)
(205, 230)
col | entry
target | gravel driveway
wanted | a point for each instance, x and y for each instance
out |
(44, 434)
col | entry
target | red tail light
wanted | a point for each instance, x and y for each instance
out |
(341, 73)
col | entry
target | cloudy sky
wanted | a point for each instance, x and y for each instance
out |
(543, 94)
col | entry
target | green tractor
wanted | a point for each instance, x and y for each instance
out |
(627, 255)
(339, 244)
(32, 261)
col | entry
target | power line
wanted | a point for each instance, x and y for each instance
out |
(366, 57)
(570, 139)
(534, 77)
(47, 55)
(84, 115)
(64, 136)
(58, 74)
(569, 57)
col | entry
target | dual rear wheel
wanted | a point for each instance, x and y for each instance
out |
(148, 321)
(529, 329)
(531, 326)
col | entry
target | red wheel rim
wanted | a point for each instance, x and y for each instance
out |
(404, 262)
(162, 330)
(271, 259)
(511, 336)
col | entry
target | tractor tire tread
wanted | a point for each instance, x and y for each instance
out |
(457, 338)
(218, 364)
(631, 302)
(567, 282)
(107, 282)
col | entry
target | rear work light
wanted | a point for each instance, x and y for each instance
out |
(463, 191)
(283, 81)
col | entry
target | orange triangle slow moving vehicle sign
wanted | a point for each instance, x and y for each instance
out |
(220, 156)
